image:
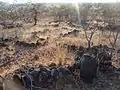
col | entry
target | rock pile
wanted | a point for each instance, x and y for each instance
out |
(42, 77)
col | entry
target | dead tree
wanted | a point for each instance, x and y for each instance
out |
(111, 15)
(89, 29)
(89, 32)
(35, 16)
(113, 37)
(37, 11)
(89, 22)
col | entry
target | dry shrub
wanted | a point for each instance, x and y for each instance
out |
(42, 56)
(55, 54)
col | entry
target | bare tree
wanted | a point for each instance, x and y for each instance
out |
(89, 31)
(35, 16)
(111, 15)
(113, 37)
(89, 22)
(88, 35)
(36, 11)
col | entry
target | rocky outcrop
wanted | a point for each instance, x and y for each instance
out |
(88, 68)
(42, 77)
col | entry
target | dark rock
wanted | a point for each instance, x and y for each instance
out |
(44, 79)
(27, 81)
(88, 68)
(63, 71)
(45, 69)
(54, 75)
(118, 69)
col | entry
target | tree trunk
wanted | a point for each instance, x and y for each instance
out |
(89, 44)
(35, 18)
(35, 21)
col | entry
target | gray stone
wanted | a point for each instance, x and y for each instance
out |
(88, 68)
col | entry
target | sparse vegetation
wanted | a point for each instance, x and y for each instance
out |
(59, 46)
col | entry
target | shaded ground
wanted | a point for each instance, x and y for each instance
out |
(106, 81)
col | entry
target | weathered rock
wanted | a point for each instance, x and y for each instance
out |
(63, 71)
(27, 81)
(54, 73)
(43, 77)
(88, 68)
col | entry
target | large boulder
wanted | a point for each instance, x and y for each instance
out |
(88, 68)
